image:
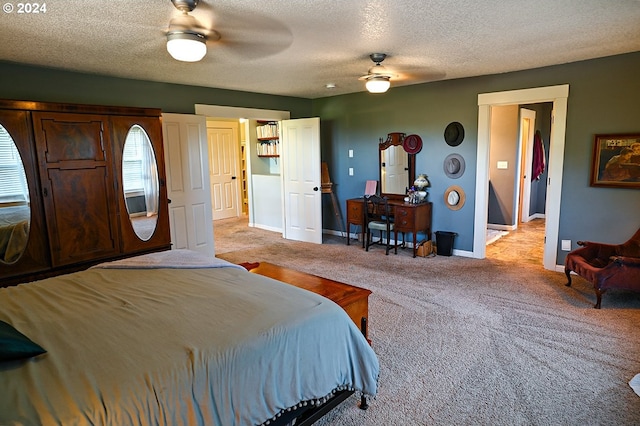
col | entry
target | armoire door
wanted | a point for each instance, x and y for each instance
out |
(138, 160)
(74, 155)
(23, 242)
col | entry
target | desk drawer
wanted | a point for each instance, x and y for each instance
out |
(355, 211)
(404, 218)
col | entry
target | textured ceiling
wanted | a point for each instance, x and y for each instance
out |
(295, 48)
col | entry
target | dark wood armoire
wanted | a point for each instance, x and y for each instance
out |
(73, 165)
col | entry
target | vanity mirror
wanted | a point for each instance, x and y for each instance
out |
(140, 182)
(396, 166)
(15, 212)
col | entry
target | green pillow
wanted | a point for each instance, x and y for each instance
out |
(15, 345)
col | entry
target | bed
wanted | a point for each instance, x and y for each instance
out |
(176, 338)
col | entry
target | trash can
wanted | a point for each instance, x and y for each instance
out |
(444, 242)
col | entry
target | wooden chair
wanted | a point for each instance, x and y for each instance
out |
(379, 217)
(606, 265)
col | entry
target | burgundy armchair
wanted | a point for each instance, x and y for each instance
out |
(606, 265)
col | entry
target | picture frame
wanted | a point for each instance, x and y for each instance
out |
(616, 160)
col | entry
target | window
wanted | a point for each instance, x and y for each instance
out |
(133, 158)
(14, 187)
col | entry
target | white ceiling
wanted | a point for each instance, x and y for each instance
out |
(295, 48)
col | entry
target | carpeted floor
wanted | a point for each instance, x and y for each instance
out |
(472, 342)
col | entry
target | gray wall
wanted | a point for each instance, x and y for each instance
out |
(28, 83)
(505, 126)
(602, 99)
(543, 125)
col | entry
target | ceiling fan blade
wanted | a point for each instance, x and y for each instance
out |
(251, 36)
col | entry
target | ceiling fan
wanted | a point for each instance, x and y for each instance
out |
(186, 37)
(378, 77)
(247, 35)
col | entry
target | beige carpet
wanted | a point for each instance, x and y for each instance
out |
(472, 342)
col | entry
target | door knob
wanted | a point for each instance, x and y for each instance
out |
(233, 177)
(315, 188)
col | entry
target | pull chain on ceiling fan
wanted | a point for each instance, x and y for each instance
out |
(378, 78)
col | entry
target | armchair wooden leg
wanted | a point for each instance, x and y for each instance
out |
(567, 272)
(598, 298)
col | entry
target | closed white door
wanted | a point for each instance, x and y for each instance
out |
(188, 188)
(223, 164)
(302, 200)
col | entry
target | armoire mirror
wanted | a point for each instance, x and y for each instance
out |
(15, 212)
(397, 167)
(140, 182)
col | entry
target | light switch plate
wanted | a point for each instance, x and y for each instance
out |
(503, 164)
(350, 153)
(566, 245)
(350, 171)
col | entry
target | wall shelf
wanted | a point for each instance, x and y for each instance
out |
(268, 135)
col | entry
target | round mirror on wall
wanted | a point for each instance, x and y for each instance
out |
(15, 210)
(140, 182)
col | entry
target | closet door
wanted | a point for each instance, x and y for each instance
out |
(74, 156)
(141, 183)
(23, 241)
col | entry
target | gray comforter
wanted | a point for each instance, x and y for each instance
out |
(175, 346)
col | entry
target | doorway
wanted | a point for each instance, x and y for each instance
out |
(517, 195)
(216, 112)
(558, 95)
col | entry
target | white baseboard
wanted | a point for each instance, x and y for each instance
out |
(462, 253)
(267, 228)
(501, 227)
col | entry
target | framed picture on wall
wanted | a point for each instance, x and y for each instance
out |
(616, 161)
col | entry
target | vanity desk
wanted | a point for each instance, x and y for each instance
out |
(397, 172)
(408, 217)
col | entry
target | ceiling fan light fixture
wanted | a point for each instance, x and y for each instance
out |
(378, 84)
(186, 46)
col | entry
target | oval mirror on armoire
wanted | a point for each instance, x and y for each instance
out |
(15, 210)
(140, 182)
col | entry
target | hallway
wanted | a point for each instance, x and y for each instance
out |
(525, 244)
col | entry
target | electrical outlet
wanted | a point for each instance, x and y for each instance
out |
(566, 245)
(350, 171)
(350, 153)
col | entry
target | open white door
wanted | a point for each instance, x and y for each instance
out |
(527, 130)
(187, 164)
(302, 199)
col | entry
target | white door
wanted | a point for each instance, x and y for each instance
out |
(223, 161)
(395, 168)
(187, 164)
(302, 199)
(527, 129)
